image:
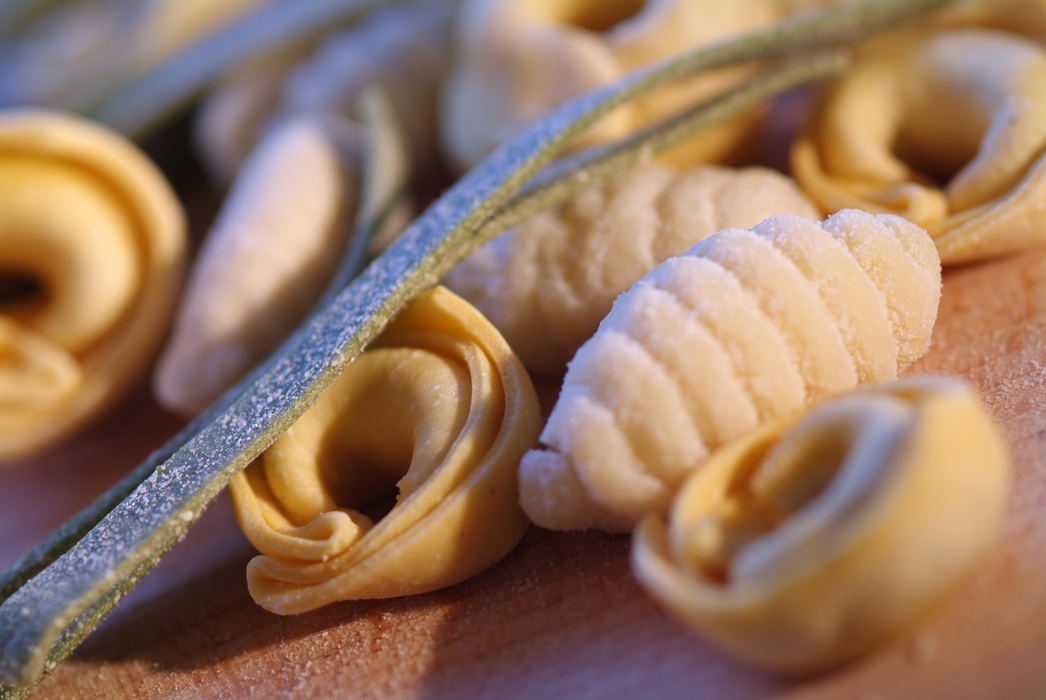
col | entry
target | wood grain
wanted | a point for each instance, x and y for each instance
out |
(561, 617)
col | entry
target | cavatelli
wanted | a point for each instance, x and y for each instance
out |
(746, 326)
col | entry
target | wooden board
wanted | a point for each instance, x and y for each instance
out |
(561, 617)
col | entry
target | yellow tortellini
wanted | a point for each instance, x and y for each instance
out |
(437, 406)
(965, 106)
(274, 247)
(747, 326)
(518, 59)
(810, 541)
(547, 284)
(92, 250)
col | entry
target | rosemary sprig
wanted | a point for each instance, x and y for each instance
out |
(45, 619)
(152, 99)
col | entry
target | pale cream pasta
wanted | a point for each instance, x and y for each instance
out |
(745, 327)
(548, 283)
(516, 60)
(272, 250)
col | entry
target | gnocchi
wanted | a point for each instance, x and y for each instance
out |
(746, 326)
(548, 283)
(437, 407)
(812, 540)
(966, 106)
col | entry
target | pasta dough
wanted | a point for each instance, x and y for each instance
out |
(439, 407)
(405, 50)
(274, 246)
(92, 249)
(967, 106)
(745, 327)
(810, 541)
(518, 59)
(548, 283)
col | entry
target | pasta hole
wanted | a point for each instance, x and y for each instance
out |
(361, 479)
(601, 15)
(20, 291)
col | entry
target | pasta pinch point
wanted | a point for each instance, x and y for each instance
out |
(964, 107)
(437, 411)
(817, 537)
(745, 327)
(92, 251)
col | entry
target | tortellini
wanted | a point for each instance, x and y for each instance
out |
(440, 407)
(547, 284)
(80, 53)
(745, 327)
(808, 542)
(274, 247)
(405, 50)
(518, 59)
(92, 251)
(965, 106)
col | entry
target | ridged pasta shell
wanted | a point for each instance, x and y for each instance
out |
(548, 283)
(273, 248)
(968, 106)
(518, 59)
(92, 251)
(439, 407)
(810, 541)
(745, 327)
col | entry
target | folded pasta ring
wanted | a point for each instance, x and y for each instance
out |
(810, 541)
(92, 248)
(439, 407)
(967, 106)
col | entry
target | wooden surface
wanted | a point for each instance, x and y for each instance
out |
(561, 617)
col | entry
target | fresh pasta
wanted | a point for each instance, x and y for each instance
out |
(965, 106)
(746, 326)
(437, 408)
(548, 283)
(812, 540)
(271, 252)
(518, 59)
(92, 252)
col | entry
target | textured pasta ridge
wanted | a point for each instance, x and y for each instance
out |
(746, 326)
(548, 283)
